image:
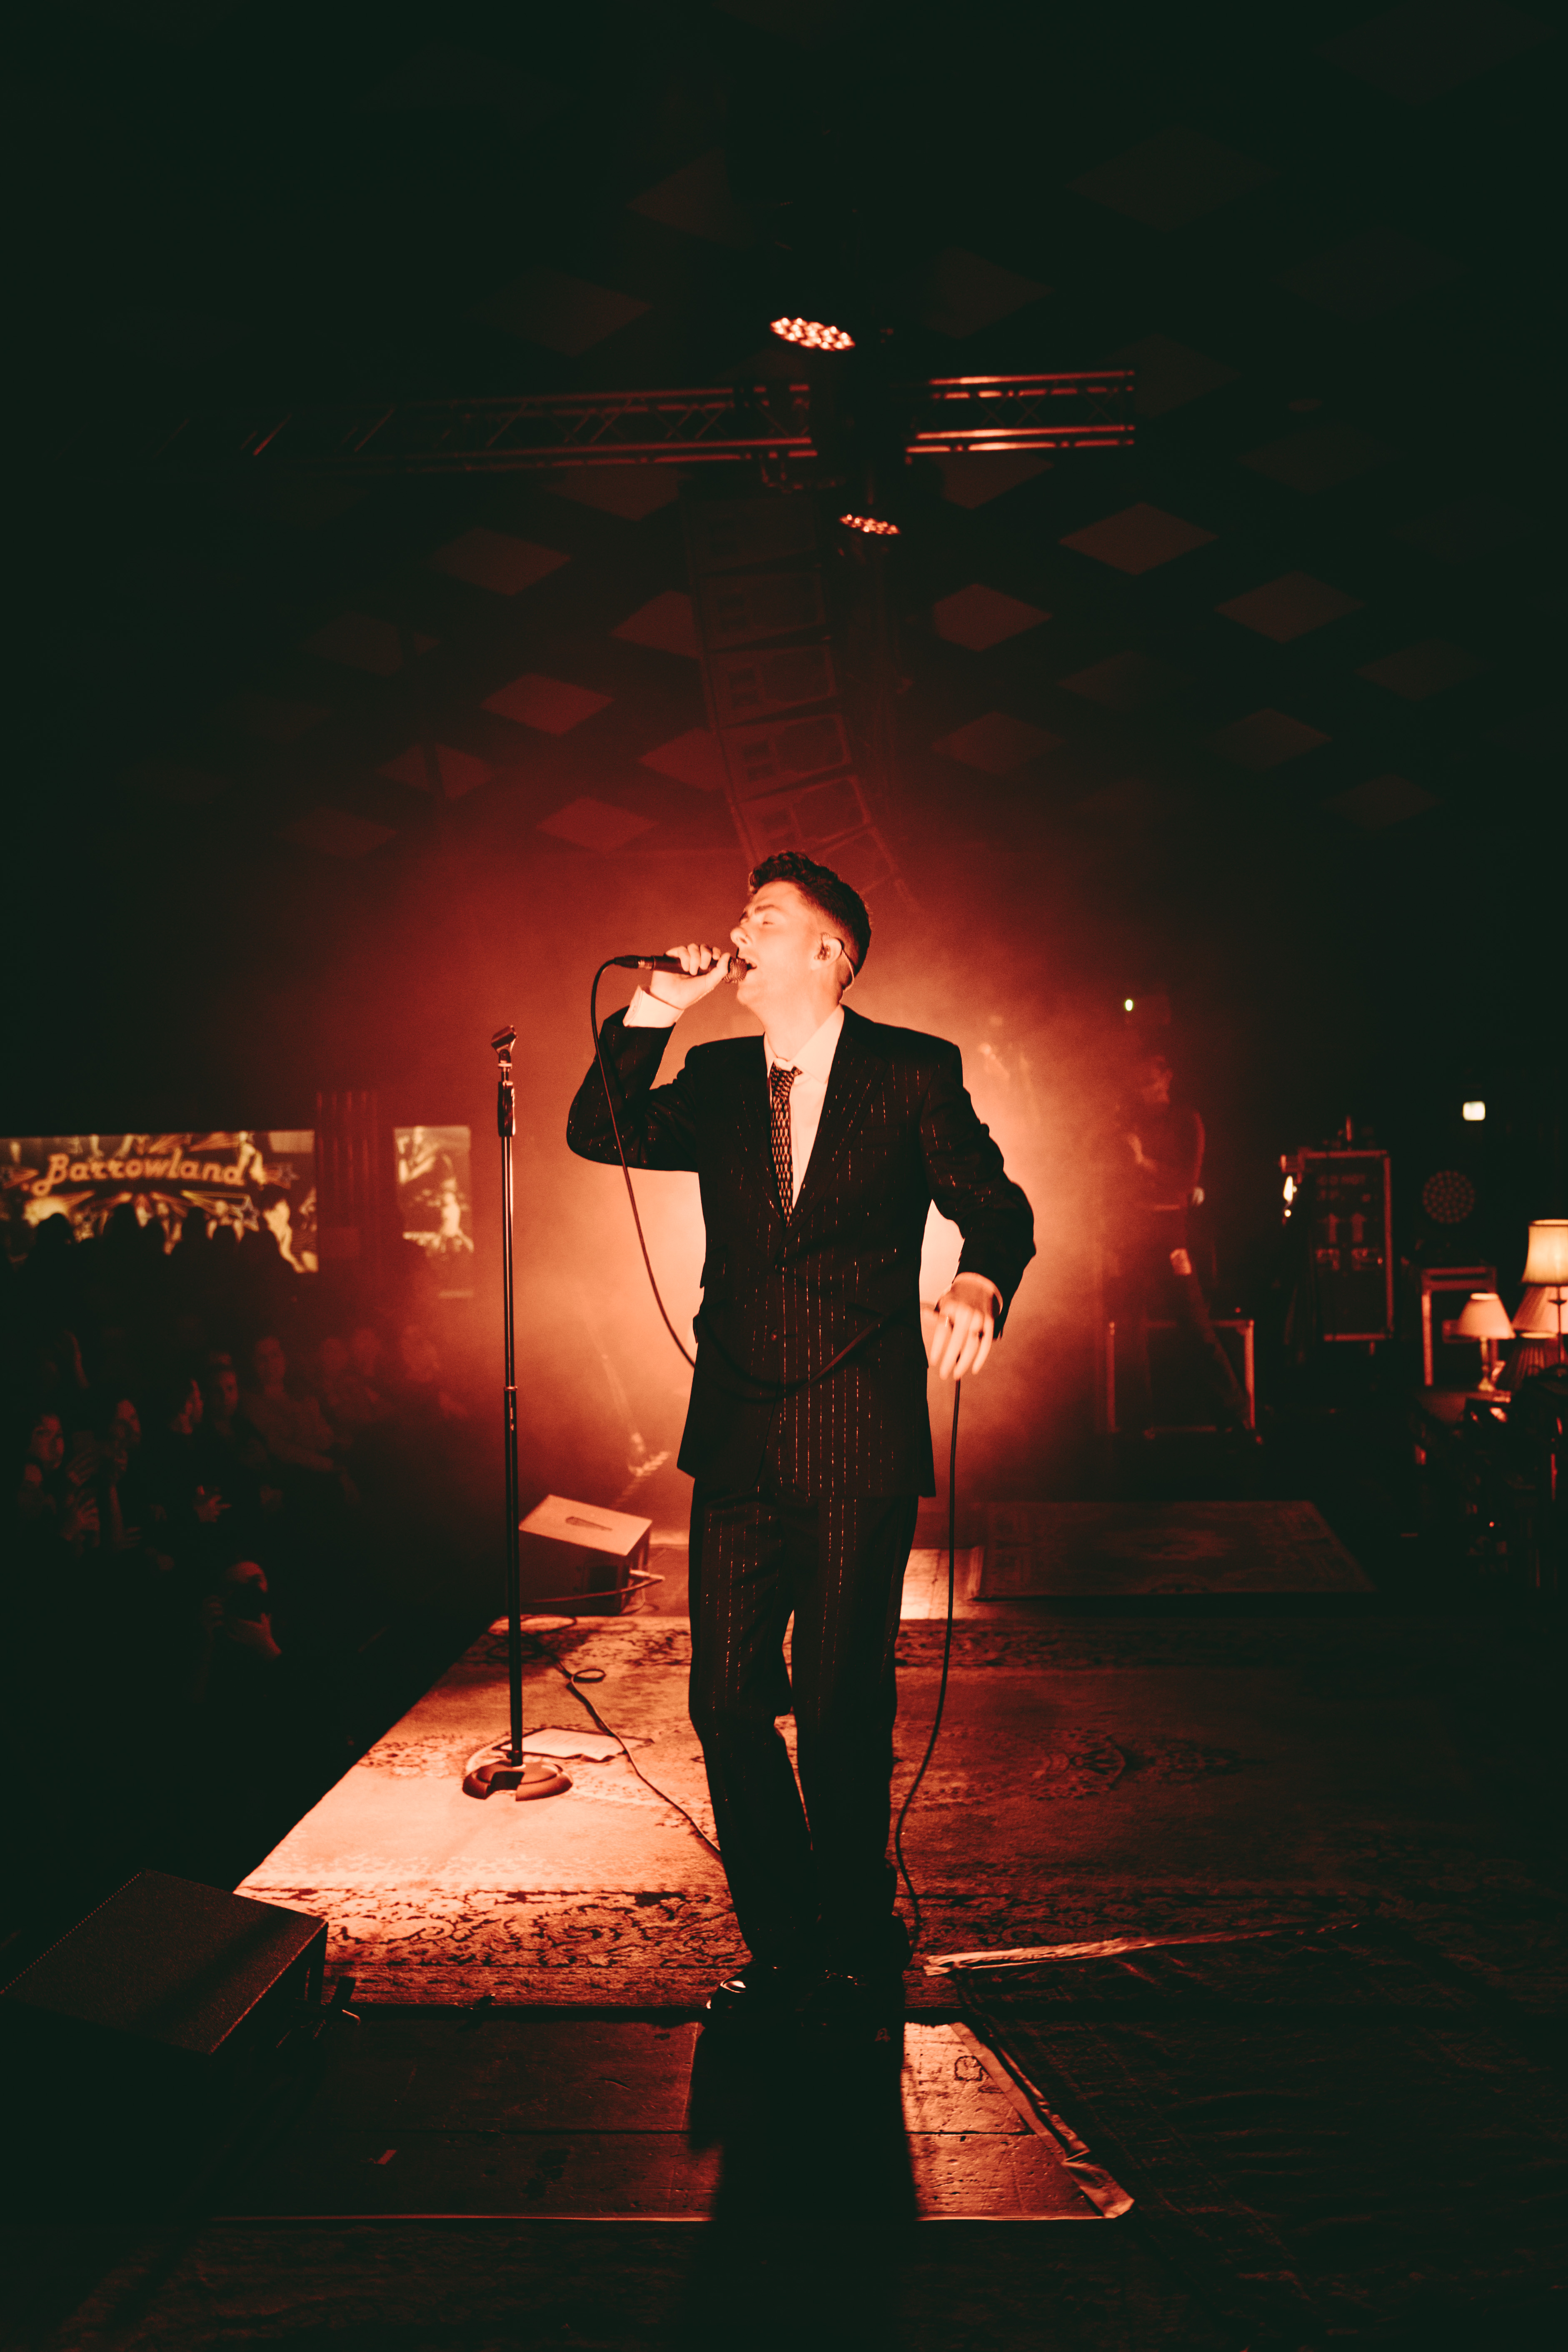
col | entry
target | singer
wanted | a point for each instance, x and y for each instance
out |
(819, 1147)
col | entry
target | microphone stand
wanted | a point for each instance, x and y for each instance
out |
(502, 1764)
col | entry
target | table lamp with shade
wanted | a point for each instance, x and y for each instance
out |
(1485, 1318)
(1539, 1321)
(1546, 1268)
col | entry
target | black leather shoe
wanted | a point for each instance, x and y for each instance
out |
(761, 1997)
(857, 2008)
(883, 1950)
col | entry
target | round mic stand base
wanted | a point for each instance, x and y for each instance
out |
(496, 1767)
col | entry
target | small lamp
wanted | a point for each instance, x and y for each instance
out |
(1536, 1324)
(1546, 1263)
(1485, 1318)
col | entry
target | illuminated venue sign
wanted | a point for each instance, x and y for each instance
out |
(246, 1178)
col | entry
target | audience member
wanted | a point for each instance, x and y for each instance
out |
(189, 1544)
(232, 1450)
(222, 1273)
(53, 1508)
(351, 1403)
(425, 1397)
(46, 1285)
(59, 1380)
(364, 1355)
(290, 1423)
(190, 1269)
(116, 1425)
(296, 1433)
(184, 1509)
(236, 1626)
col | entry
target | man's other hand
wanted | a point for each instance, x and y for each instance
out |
(701, 970)
(960, 1329)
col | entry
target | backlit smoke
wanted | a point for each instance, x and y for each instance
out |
(602, 1392)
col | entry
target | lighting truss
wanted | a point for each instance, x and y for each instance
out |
(950, 416)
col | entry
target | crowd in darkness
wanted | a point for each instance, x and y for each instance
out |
(223, 1475)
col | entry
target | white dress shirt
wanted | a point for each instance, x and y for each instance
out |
(812, 1067)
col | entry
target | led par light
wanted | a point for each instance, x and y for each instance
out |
(813, 334)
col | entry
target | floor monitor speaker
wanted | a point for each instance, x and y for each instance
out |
(159, 2012)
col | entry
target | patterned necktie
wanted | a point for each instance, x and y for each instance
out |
(779, 1081)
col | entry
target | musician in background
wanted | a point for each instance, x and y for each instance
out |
(1155, 1158)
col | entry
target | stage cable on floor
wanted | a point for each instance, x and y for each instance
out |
(574, 1683)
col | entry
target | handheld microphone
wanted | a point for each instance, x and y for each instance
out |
(738, 964)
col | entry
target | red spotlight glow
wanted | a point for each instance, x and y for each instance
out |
(872, 525)
(815, 333)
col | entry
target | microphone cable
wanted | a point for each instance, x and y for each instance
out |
(942, 1687)
(621, 1150)
(574, 1682)
(781, 1388)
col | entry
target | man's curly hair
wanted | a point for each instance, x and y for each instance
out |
(844, 908)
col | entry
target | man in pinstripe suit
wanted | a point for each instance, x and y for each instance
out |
(819, 1148)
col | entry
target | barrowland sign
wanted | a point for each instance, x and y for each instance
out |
(131, 1169)
(247, 1176)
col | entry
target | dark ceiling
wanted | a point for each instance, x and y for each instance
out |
(1259, 708)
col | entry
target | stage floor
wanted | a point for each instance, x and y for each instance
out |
(1094, 1777)
(533, 2116)
(1185, 1772)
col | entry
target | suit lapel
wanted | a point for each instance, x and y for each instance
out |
(854, 1068)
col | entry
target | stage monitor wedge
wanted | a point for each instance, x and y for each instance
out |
(168, 1978)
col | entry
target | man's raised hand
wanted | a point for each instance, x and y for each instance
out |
(701, 970)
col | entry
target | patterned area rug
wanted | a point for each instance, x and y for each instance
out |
(1093, 1778)
(1342, 2137)
(1103, 1549)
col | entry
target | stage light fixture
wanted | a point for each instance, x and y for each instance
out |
(813, 334)
(1473, 1111)
(874, 526)
(1127, 1005)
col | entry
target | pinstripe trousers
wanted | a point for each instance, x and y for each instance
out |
(807, 1863)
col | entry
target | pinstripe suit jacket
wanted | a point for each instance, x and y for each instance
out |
(781, 1296)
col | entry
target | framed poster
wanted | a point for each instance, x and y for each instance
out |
(436, 1204)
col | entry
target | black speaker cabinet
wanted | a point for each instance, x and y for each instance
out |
(169, 1999)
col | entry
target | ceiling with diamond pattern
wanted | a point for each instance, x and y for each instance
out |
(1266, 707)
